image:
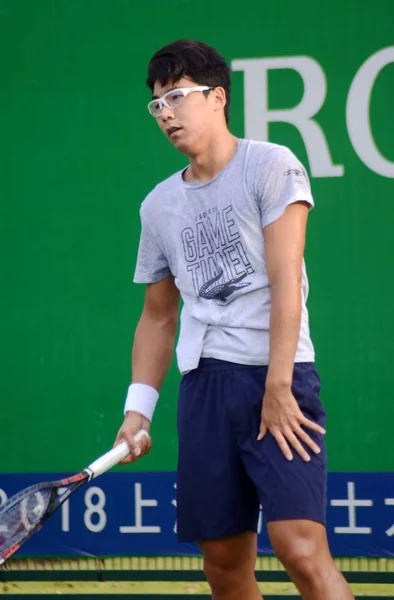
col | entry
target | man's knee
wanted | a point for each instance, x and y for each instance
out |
(229, 563)
(300, 557)
(304, 554)
(222, 578)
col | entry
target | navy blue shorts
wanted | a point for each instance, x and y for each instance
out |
(224, 473)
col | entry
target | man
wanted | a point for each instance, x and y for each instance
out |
(227, 235)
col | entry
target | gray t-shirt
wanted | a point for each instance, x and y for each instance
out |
(209, 236)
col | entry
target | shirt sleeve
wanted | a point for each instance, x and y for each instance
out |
(152, 264)
(281, 181)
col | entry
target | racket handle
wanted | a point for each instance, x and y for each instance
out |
(113, 457)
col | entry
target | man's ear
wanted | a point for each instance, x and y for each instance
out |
(220, 98)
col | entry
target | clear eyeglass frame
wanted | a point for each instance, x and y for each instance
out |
(173, 99)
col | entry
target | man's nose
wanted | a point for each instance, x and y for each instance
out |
(166, 113)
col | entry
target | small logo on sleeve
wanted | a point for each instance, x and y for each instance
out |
(296, 172)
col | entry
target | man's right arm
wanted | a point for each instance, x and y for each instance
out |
(152, 351)
(155, 333)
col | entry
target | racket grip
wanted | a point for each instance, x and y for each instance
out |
(113, 457)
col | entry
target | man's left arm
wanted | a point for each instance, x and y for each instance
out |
(284, 241)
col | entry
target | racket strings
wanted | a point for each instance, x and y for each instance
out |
(21, 515)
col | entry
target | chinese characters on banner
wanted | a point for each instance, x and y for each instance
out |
(135, 514)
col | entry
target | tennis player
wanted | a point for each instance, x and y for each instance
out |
(226, 235)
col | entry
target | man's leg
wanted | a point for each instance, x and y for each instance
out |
(217, 503)
(229, 566)
(302, 547)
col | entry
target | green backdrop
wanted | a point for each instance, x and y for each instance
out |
(79, 152)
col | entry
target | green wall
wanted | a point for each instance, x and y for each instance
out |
(79, 152)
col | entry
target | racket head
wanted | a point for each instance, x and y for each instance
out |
(25, 513)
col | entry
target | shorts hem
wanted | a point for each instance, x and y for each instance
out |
(297, 518)
(204, 537)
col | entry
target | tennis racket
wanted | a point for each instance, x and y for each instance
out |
(26, 512)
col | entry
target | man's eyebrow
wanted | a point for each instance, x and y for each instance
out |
(170, 90)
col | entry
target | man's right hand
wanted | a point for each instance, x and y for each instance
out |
(132, 424)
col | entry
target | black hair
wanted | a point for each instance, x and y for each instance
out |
(195, 60)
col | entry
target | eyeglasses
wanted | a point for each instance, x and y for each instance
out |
(173, 99)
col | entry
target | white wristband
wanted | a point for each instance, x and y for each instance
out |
(141, 398)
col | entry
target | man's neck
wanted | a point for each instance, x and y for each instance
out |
(211, 160)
